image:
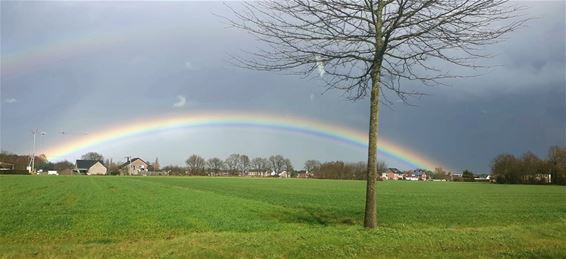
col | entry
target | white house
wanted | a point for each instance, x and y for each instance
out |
(91, 167)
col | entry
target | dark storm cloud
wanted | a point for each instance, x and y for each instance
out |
(515, 105)
(181, 49)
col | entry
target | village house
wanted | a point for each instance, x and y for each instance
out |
(303, 174)
(136, 166)
(416, 175)
(91, 167)
(454, 176)
(258, 173)
(6, 166)
(284, 174)
(392, 174)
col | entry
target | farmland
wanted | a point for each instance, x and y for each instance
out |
(53, 216)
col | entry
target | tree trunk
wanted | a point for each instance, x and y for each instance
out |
(370, 220)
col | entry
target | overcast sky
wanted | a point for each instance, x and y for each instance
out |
(82, 67)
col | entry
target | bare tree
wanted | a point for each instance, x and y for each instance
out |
(288, 166)
(531, 166)
(195, 164)
(557, 164)
(64, 165)
(156, 165)
(312, 165)
(92, 156)
(277, 163)
(381, 167)
(366, 47)
(359, 169)
(260, 165)
(232, 163)
(214, 165)
(244, 164)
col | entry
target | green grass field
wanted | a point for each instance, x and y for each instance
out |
(57, 216)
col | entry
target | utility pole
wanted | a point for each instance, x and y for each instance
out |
(32, 162)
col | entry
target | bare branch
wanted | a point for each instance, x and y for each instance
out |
(344, 42)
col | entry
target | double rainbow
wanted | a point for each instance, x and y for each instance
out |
(297, 125)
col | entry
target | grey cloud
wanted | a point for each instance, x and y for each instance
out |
(522, 94)
(181, 101)
(10, 100)
(189, 66)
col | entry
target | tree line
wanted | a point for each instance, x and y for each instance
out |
(340, 169)
(505, 168)
(242, 165)
(530, 169)
(21, 162)
(234, 165)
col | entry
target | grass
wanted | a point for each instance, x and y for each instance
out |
(241, 217)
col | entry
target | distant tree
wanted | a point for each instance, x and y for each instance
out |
(439, 173)
(531, 167)
(244, 164)
(195, 164)
(557, 164)
(277, 163)
(215, 166)
(232, 163)
(288, 166)
(64, 165)
(312, 165)
(359, 169)
(113, 167)
(46, 166)
(528, 169)
(381, 167)
(42, 163)
(503, 168)
(331, 170)
(260, 165)
(156, 164)
(346, 170)
(22, 161)
(468, 176)
(174, 170)
(92, 156)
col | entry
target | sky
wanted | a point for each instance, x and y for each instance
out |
(83, 68)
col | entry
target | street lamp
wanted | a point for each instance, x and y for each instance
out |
(32, 162)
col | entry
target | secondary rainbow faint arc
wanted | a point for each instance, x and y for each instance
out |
(299, 125)
(42, 54)
(45, 53)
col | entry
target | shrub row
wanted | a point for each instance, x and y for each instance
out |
(22, 172)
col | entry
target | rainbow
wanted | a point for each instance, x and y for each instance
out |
(37, 56)
(65, 47)
(291, 124)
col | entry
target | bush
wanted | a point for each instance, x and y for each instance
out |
(15, 172)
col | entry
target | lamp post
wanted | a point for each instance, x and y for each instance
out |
(35, 132)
